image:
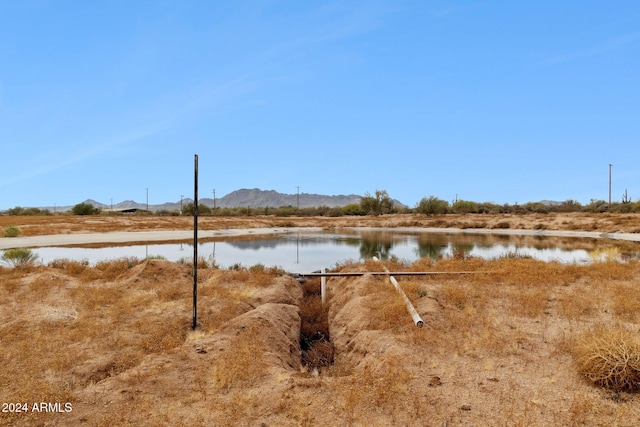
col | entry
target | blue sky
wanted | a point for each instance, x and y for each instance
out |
(497, 101)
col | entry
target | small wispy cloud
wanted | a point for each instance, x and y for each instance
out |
(54, 160)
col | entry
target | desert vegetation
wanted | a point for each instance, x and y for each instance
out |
(84, 209)
(18, 257)
(11, 231)
(378, 203)
(518, 342)
(610, 357)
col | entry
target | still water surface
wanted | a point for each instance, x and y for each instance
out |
(309, 252)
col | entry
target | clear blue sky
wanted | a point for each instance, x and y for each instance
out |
(497, 101)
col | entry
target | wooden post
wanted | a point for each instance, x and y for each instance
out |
(323, 285)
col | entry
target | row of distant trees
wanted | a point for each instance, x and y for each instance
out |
(79, 209)
(379, 203)
(434, 206)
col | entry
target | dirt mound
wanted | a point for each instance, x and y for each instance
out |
(258, 346)
(153, 271)
(272, 330)
(357, 317)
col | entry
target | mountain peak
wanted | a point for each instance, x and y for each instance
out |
(256, 197)
(242, 198)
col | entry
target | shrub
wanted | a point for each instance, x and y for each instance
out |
(352, 209)
(189, 209)
(605, 254)
(12, 231)
(596, 206)
(569, 205)
(432, 206)
(27, 211)
(488, 207)
(609, 358)
(72, 267)
(19, 257)
(335, 212)
(464, 207)
(203, 262)
(84, 209)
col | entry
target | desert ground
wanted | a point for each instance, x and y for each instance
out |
(511, 342)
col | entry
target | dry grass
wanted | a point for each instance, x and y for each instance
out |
(575, 304)
(391, 312)
(383, 392)
(609, 357)
(229, 293)
(80, 334)
(482, 310)
(70, 266)
(243, 365)
(513, 344)
(625, 300)
(607, 254)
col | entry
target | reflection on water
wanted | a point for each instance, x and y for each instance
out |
(310, 252)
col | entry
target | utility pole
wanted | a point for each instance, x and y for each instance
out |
(298, 198)
(112, 204)
(147, 199)
(214, 199)
(181, 196)
(610, 166)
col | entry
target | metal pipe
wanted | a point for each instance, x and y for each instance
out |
(381, 273)
(410, 308)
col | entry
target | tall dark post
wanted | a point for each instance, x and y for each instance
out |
(610, 165)
(195, 243)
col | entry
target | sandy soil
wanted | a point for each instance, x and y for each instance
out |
(494, 350)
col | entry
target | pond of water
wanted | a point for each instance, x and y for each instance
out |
(310, 252)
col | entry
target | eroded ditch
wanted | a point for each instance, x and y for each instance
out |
(315, 341)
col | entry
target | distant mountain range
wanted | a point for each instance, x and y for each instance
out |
(253, 198)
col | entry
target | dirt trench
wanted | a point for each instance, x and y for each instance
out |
(317, 350)
(278, 342)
